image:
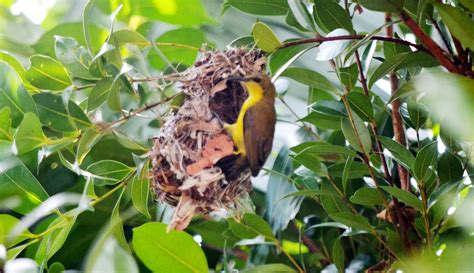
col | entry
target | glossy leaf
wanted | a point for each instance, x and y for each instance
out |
(418, 113)
(361, 104)
(457, 20)
(53, 241)
(406, 197)
(140, 189)
(264, 37)
(338, 255)
(310, 78)
(357, 133)
(270, 268)
(47, 73)
(330, 16)
(16, 181)
(383, 5)
(109, 171)
(424, 161)
(169, 44)
(125, 36)
(17, 66)
(399, 153)
(53, 114)
(14, 96)
(367, 196)
(348, 75)
(449, 168)
(74, 57)
(250, 227)
(99, 93)
(113, 258)
(301, 14)
(5, 123)
(162, 251)
(7, 224)
(29, 135)
(259, 7)
(351, 220)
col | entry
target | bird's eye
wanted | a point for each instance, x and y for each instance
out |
(257, 80)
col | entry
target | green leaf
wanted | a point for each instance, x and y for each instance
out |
(99, 93)
(251, 226)
(125, 36)
(53, 241)
(141, 190)
(5, 123)
(356, 133)
(330, 16)
(88, 139)
(264, 37)
(113, 258)
(16, 65)
(310, 78)
(7, 224)
(323, 120)
(259, 7)
(301, 14)
(356, 170)
(270, 268)
(404, 196)
(14, 96)
(110, 171)
(457, 22)
(29, 135)
(169, 45)
(283, 55)
(348, 75)
(361, 104)
(178, 12)
(402, 61)
(425, 159)
(345, 172)
(418, 113)
(56, 267)
(163, 251)
(351, 220)
(74, 57)
(469, 4)
(323, 149)
(449, 168)
(53, 114)
(311, 161)
(338, 255)
(401, 154)
(383, 5)
(46, 73)
(16, 181)
(367, 197)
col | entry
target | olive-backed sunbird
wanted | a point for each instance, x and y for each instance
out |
(253, 131)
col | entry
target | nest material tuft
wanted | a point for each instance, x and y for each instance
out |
(192, 140)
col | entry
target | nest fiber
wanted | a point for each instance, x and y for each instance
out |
(192, 140)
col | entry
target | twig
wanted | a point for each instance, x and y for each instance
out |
(352, 37)
(431, 45)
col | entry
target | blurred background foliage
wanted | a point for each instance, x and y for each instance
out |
(78, 80)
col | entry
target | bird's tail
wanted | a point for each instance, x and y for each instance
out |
(233, 165)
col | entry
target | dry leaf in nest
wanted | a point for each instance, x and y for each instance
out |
(192, 140)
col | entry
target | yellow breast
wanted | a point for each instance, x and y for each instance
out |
(236, 130)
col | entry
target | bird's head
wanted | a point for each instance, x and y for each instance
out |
(256, 83)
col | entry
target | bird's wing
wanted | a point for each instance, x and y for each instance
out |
(259, 127)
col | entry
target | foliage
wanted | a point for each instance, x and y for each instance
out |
(377, 173)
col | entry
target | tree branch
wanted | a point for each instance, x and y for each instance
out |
(432, 46)
(353, 37)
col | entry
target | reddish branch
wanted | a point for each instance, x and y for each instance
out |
(432, 46)
(353, 37)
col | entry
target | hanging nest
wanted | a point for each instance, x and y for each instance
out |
(192, 140)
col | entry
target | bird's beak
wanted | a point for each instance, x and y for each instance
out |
(235, 79)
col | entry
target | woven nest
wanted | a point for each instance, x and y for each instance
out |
(192, 140)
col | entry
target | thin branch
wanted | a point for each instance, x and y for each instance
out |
(442, 56)
(353, 37)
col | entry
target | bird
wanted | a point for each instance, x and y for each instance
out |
(254, 129)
